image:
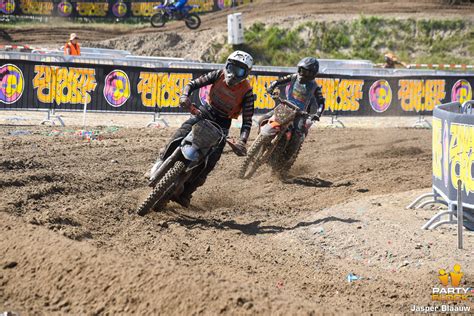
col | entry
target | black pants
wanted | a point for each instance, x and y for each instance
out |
(199, 175)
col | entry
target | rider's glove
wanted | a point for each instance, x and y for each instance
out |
(242, 148)
(185, 102)
(194, 110)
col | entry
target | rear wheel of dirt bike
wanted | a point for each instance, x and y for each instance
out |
(158, 19)
(192, 21)
(160, 192)
(253, 160)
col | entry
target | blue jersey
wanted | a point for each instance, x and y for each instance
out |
(301, 94)
(180, 4)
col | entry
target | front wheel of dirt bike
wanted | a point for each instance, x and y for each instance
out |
(286, 165)
(158, 19)
(161, 190)
(254, 160)
(192, 21)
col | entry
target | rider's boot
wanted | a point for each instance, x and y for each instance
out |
(184, 199)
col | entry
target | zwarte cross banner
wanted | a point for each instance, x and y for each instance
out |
(42, 85)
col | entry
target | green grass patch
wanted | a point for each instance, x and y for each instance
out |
(414, 41)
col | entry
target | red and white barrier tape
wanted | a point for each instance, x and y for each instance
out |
(442, 66)
(15, 47)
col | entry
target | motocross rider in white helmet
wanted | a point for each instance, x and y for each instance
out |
(230, 95)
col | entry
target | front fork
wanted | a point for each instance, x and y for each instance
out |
(161, 168)
(272, 130)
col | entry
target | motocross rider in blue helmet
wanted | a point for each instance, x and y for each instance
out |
(178, 5)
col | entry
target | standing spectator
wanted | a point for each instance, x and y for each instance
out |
(72, 46)
(391, 61)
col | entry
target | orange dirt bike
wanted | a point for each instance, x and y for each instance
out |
(271, 144)
(181, 157)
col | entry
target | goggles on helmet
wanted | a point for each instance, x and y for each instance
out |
(236, 70)
(305, 72)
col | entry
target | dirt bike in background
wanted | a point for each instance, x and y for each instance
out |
(272, 140)
(168, 13)
(180, 159)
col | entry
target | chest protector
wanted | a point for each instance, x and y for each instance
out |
(301, 93)
(228, 100)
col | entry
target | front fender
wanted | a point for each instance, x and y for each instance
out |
(190, 152)
(270, 130)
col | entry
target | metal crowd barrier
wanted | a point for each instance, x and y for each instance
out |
(460, 208)
(103, 56)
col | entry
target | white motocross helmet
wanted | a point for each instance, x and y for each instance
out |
(238, 67)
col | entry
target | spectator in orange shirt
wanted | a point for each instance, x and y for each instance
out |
(72, 46)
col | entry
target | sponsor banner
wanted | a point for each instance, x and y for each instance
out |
(101, 8)
(393, 96)
(28, 84)
(453, 153)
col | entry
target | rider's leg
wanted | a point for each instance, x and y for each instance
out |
(180, 132)
(200, 178)
(296, 140)
(298, 135)
(200, 175)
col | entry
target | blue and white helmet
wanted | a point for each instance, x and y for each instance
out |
(237, 67)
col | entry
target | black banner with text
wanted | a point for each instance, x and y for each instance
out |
(27, 84)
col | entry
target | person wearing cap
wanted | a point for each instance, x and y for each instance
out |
(391, 61)
(72, 46)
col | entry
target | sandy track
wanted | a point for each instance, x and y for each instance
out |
(273, 247)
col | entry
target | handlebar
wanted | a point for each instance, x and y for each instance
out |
(295, 107)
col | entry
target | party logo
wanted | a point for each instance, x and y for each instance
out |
(7, 6)
(65, 9)
(461, 91)
(12, 83)
(119, 9)
(380, 96)
(117, 88)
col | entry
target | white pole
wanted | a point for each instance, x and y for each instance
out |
(84, 113)
(460, 215)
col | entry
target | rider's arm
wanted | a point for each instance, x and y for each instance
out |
(247, 114)
(280, 81)
(202, 81)
(318, 95)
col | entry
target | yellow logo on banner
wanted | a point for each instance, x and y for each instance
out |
(437, 147)
(36, 7)
(204, 5)
(259, 85)
(64, 85)
(341, 94)
(421, 95)
(461, 156)
(144, 8)
(92, 8)
(162, 89)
